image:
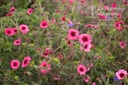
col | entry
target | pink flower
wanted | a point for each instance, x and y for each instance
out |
(9, 32)
(15, 64)
(24, 28)
(26, 61)
(85, 39)
(44, 24)
(106, 8)
(119, 15)
(86, 47)
(17, 42)
(94, 83)
(73, 34)
(122, 44)
(121, 74)
(71, 1)
(113, 6)
(60, 56)
(44, 67)
(101, 16)
(12, 9)
(82, 1)
(81, 69)
(30, 11)
(87, 79)
(14, 30)
(89, 26)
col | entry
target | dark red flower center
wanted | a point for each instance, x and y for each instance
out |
(121, 75)
(44, 24)
(85, 39)
(17, 41)
(85, 46)
(14, 64)
(44, 65)
(9, 32)
(25, 61)
(15, 30)
(73, 33)
(23, 28)
(81, 69)
(122, 44)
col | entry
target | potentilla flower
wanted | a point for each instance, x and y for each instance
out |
(85, 39)
(81, 69)
(44, 67)
(44, 24)
(9, 32)
(71, 1)
(26, 61)
(82, 1)
(122, 44)
(89, 26)
(17, 42)
(30, 11)
(87, 79)
(94, 83)
(101, 16)
(24, 28)
(60, 56)
(119, 15)
(14, 30)
(63, 18)
(73, 34)
(86, 47)
(121, 74)
(106, 8)
(113, 6)
(12, 9)
(15, 64)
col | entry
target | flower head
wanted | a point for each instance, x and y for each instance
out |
(121, 74)
(122, 44)
(85, 39)
(44, 24)
(26, 61)
(24, 28)
(15, 64)
(81, 69)
(87, 79)
(44, 67)
(9, 32)
(17, 42)
(113, 6)
(86, 47)
(30, 11)
(73, 34)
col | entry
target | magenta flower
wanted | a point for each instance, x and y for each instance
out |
(44, 67)
(44, 24)
(24, 28)
(81, 69)
(94, 83)
(30, 11)
(12, 9)
(9, 32)
(15, 64)
(14, 30)
(113, 6)
(87, 79)
(17, 42)
(73, 34)
(86, 47)
(26, 61)
(121, 74)
(85, 39)
(122, 44)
